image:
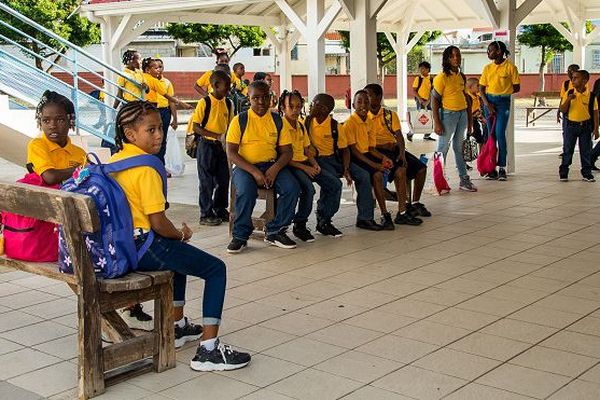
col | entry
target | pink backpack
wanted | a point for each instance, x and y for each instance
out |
(27, 238)
(487, 159)
(441, 184)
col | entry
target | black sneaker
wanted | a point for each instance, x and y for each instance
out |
(563, 177)
(411, 210)
(594, 168)
(588, 178)
(303, 233)
(210, 221)
(188, 333)
(369, 225)
(236, 245)
(469, 168)
(223, 215)
(221, 358)
(327, 229)
(502, 174)
(421, 210)
(409, 136)
(386, 222)
(427, 137)
(492, 175)
(389, 195)
(281, 240)
(136, 318)
(405, 219)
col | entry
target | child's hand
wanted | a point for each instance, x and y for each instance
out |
(260, 179)
(187, 232)
(596, 135)
(438, 129)
(348, 177)
(491, 109)
(311, 171)
(185, 105)
(174, 125)
(317, 167)
(270, 176)
(387, 163)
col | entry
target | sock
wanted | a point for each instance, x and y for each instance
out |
(209, 344)
(180, 323)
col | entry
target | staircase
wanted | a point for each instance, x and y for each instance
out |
(20, 78)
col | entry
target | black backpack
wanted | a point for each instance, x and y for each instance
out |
(191, 141)
(334, 133)
(243, 120)
(241, 103)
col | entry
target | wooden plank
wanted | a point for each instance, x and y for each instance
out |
(135, 349)
(158, 277)
(133, 281)
(164, 329)
(115, 328)
(128, 371)
(49, 270)
(115, 300)
(23, 199)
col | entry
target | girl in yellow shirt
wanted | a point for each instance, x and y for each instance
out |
(499, 80)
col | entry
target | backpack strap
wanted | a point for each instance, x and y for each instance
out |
(206, 112)
(591, 107)
(387, 119)
(278, 124)
(566, 85)
(335, 134)
(419, 82)
(307, 123)
(243, 121)
(230, 108)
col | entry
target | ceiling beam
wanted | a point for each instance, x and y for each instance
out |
(492, 13)
(126, 23)
(328, 18)
(226, 19)
(157, 6)
(348, 7)
(376, 6)
(525, 9)
(294, 18)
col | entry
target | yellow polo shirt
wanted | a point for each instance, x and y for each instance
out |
(219, 117)
(500, 78)
(359, 133)
(162, 101)
(259, 142)
(476, 103)
(380, 129)
(300, 139)
(136, 75)
(452, 89)
(204, 80)
(579, 107)
(44, 154)
(142, 186)
(157, 88)
(425, 89)
(322, 138)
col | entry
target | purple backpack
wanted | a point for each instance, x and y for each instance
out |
(112, 249)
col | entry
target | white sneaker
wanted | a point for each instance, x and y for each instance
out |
(136, 318)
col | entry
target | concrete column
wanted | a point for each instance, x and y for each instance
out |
(579, 42)
(508, 21)
(363, 46)
(315, 10)
(284, 59)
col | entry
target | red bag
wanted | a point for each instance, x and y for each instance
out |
(488, 157)
(441, 184)
(27, 238)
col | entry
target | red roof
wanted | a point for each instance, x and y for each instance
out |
(333, 35)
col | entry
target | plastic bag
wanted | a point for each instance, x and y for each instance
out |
(441, 184)
(174, 157)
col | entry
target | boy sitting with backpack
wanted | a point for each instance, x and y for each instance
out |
(261, 150)
(580, 108)
(210, 121)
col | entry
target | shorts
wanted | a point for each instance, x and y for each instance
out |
(372, 171)
(414, 165)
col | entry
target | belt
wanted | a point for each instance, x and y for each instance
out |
(208, 141)
(579, 123)
(139, 232)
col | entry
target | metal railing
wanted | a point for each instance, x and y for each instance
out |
(20, 77)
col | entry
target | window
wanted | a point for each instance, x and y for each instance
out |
(294, 53)
(596, 59)
(558, 63)
(257, 52)
(485, 37)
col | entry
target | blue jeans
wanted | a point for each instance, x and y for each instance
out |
(184, 259)
(246, 192)
(329, 198)
(501, 104)
(165, 116)
(455, 125)
(573, 133)
(362, 181)
(213, 178)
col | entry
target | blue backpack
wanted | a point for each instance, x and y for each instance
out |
(112, 249)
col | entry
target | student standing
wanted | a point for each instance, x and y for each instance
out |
(498, 82)
(422, 91)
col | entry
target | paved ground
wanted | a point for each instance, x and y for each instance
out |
(495, 297)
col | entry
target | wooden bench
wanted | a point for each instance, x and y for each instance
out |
(530, 112)
(98, 299)
(259, 222)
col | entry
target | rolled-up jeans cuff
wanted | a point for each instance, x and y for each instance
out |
(178, 303)
(211, 321)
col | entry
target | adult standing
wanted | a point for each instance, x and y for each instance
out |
(452, 112)
(498, 82)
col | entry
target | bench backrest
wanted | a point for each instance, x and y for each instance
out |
(76, 213)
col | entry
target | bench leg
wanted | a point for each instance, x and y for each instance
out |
(164, 331)
(91, 366)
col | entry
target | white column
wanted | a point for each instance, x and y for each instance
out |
(284, 59)
(508, 21)
(580, 43)
(315, 47)
(363, 46)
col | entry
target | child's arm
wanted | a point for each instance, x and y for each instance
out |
(366, 160)
(173, 115)
(199, 130)
(596, 134)
(202, 90)
(469, 114)
(285, 156)
(165, 228)
(564, 105)
(55, 176)
(118, 99)
(484, 99)
(346, 165)
(311, 158)
(438, 126)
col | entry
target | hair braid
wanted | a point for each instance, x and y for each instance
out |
(287, 94)
(50, 97)
(128, 56)
(127, 116)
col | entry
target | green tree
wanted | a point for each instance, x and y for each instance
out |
(385, 51)
(56, 15)
(214, 36)
(549, 40)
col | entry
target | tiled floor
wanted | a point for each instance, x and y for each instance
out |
(497, 297)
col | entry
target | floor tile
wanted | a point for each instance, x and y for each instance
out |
(334, 310)
(16, 319)
(211, 386)
(431, 332)
(380, 321)
(574, 342)
(411, 308)
(257, 338)
(519, 330)
(9, 391)
(525, 381)
(344, 335)
(49, 380)
(481, 392)
(6, 346)
(264, 371)
(264, 394)
(373, 393)
(33, 334)
(358, 366)
(495, 347)
(311, 385)
(397, 348)
(64, 347)
(463, 318)
(419, 383)
(555, 361)
(457, 363)
(22, 361)
(587, 325)
(579, 390)
(304, 351)
(297, 323)
(545, 316)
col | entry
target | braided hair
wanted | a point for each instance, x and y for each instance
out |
(146, 62)
(128, 56)
(288, 94)
(50, 97)
(128, 116)
(500, 46)
(446, 67)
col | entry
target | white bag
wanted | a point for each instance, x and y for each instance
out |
(174, 157)
(421, 122)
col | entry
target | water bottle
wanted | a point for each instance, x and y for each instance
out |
(424, 158)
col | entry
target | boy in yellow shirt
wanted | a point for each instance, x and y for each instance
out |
(479, 125)
(422, 91)
(202, 85)
(580, 108)
(260, 150)
(210, 121)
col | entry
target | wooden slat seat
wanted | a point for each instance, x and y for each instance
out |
(98, 299)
